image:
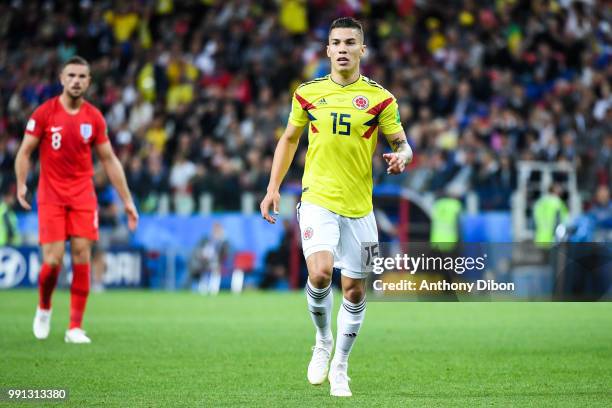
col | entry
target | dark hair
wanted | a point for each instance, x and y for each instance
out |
(75, 60)
(346, 22)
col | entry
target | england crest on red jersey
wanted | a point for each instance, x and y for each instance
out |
(86, 131)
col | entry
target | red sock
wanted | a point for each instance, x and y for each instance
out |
(78, 294)
(46, 283)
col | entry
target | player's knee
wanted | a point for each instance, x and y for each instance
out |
(81, 254)
(354, 294)
(320, 277)
(53, 258)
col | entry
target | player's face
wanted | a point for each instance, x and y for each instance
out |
(345, 49)
(75, 79)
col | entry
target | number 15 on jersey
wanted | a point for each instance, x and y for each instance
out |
(340, 125)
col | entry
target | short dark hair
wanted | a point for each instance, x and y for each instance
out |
(346, 22)
(76, 60)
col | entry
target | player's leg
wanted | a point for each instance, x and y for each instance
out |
(319, 296)
(320, 234)
(354, 234)
(53, 255)
(52, 235)
(82, 227)
(80, 251)
(350, 319)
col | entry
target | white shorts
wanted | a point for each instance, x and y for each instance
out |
(344, 237)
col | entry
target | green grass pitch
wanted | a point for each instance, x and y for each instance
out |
(177, 349)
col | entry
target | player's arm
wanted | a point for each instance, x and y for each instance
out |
(402, 153)
(283, 156)
(115, 173)
(22, 166)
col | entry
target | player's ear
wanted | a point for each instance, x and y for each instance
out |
(363, 49)
(327, 50)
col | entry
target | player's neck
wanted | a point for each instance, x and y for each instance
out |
(344, 79)
(71, 105)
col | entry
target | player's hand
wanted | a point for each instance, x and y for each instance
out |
(132, 214)
(22, 190)
(271, 198)
(395, 164)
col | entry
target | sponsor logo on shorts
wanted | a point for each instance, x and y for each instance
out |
(308, 233)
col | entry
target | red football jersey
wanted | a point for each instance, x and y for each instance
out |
(66, 167)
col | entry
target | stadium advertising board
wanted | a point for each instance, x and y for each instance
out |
(20, 266)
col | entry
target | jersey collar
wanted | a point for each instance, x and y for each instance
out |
(344, 86)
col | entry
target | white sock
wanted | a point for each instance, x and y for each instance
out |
(320, 302)
(350, 318)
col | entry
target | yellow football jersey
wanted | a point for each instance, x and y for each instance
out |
(342, 136)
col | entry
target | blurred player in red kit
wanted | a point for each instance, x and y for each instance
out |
(66, 128)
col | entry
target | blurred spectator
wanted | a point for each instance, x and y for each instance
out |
(124, 22)
(226, 188)
(156, 135)
(9, 230)
(111, 230)
(601, 211)
(276, 260)
(506, 182)
(485, 181)
(141, 115)
(108, 210)
(445, 218)
(181, 173)
(596, 224)
(588, 273)
(604, 159)
(154, 184)
(549, 211)
(137, 180)
(7, 162)
(209, 260)
(444, 236)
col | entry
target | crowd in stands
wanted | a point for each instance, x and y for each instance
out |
(196, 93)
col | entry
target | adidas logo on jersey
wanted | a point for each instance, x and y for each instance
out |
(321, 101)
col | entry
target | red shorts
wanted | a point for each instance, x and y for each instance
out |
(59, 222)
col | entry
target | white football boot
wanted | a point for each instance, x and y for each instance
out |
(338, 380)
(42, 323)
(77, 336)
(319, 363)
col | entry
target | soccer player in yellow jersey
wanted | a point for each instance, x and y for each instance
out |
(344, 112)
